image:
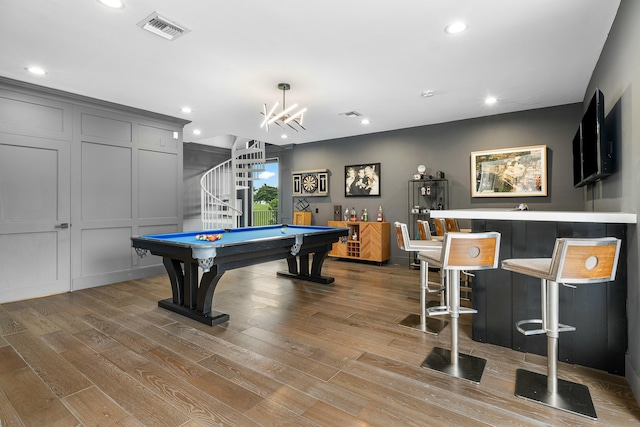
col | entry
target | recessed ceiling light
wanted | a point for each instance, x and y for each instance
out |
(427, 93)
(455, 28)
(114, 4)
(490, 100)
(36, 70)
(284, 136)
(365, 121)
(186, 110)
(197, 132)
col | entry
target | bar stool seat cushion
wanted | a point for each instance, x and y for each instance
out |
(534, 267)
(432, 256)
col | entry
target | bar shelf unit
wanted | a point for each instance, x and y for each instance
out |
(424, 195)
(367, 241)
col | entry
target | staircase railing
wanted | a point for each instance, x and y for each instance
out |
(220, 185)
(217, 199)
(248, 161)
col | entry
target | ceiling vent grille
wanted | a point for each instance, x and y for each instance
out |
(350, 114)
(162, 26)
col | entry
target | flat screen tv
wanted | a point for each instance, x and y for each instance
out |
(592, 152)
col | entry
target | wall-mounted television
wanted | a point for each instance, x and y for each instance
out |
(592, 151)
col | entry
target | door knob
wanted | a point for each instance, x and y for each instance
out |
(63, 225)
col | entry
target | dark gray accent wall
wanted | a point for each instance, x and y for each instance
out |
(616, 74)
(445, 147)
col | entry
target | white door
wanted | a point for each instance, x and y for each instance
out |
(34, 216)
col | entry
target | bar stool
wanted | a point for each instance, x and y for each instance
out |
(433, 260)
(448, 225)
(444, 226)
(434, 249)
(469, 252)
(574, 262)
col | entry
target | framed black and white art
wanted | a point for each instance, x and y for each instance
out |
(362, 180)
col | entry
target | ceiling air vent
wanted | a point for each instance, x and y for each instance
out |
(162, 26)
(349, 114)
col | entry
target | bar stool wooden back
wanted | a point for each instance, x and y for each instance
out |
(461, 252)
(431, 250)
(424, 229)
(451, 225)
(440, 228)
(445, 225)
(574, 262)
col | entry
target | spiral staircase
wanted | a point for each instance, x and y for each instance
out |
(221, 185)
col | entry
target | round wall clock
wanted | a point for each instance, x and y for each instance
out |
(310, 183)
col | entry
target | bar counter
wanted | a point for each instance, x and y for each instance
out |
(518, 215)
(502, 298)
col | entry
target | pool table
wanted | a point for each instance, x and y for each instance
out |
(183, 253)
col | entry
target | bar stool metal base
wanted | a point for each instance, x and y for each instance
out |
(433, 326)
(468, 367)
(571, 397)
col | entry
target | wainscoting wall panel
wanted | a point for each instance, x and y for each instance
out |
(81, 172)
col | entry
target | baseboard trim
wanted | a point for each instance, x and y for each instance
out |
(116, 277)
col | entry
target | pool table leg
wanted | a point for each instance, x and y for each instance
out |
(316, 265)
(189, 299)
(299, 268)
(176, 277)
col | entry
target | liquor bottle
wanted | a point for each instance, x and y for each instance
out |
(346, 214)
(353, 216)
(365, 215)
(380, 217)
(362, 215)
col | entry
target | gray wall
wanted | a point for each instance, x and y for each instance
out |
(616, 74)
(445, 147)
(125, 177)
(197, 159)
(285, 155)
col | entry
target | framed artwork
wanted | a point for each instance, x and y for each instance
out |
(310, 182)
(362, 180)
(509, 172)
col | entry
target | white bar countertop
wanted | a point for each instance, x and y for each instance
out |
(553, 216)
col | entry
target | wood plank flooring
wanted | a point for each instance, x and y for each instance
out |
(293, 353)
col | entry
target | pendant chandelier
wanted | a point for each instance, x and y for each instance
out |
(286, 117)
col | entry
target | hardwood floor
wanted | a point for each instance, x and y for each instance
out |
(293, 353)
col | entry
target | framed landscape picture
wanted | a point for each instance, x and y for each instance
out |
(362, 180)
(509, 172)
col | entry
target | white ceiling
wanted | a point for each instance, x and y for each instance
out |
(371, 56)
